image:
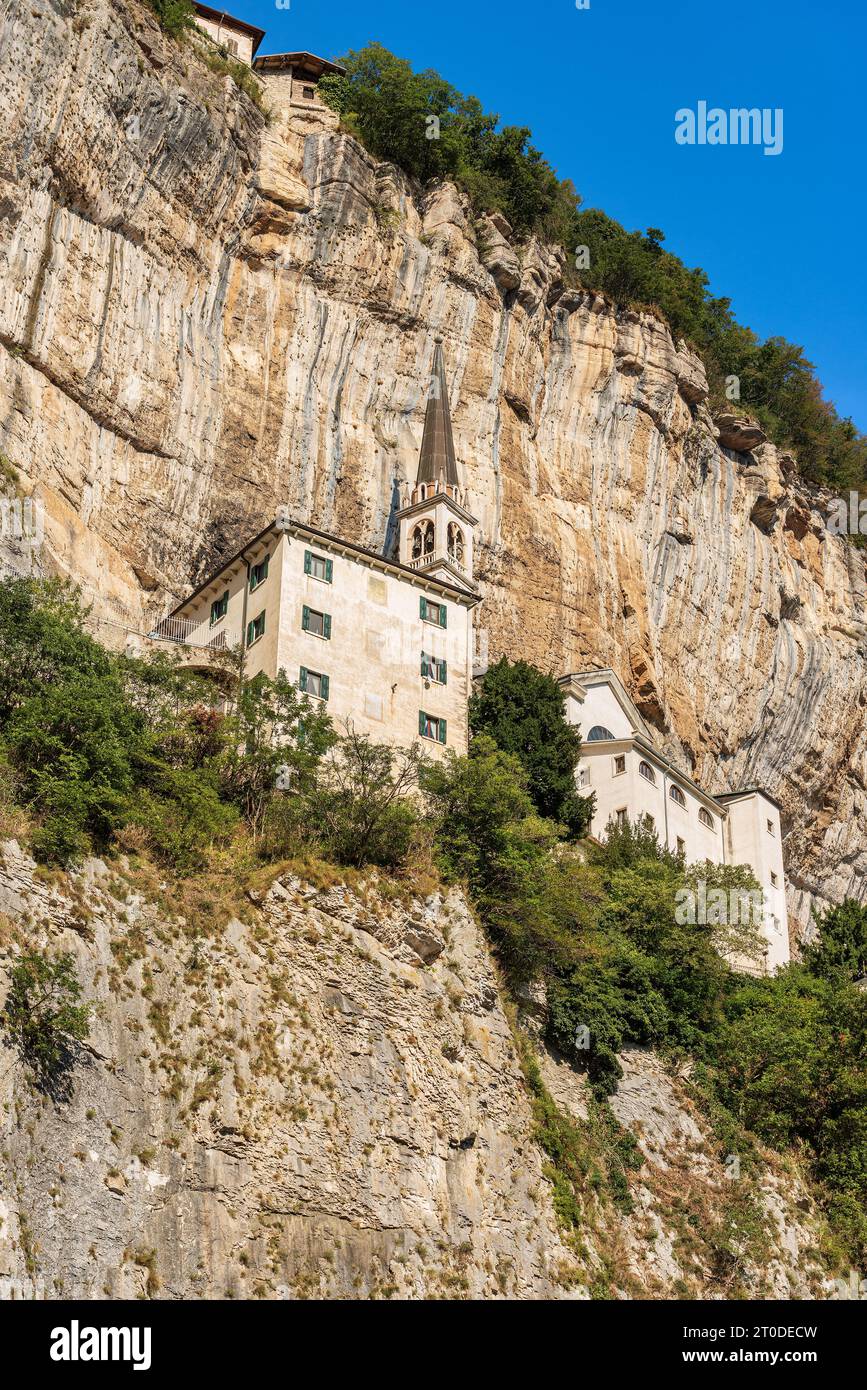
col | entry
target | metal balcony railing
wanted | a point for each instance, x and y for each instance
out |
(192, 632)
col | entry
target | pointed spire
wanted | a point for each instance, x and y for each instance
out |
(437, 455)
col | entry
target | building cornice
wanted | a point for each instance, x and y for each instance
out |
(433, 497)
(284, 524)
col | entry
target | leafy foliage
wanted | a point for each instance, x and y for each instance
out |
(523, 711)
(43, 1017)
(841, 949)
(175, 16)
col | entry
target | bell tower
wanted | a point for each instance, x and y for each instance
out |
(436, 525)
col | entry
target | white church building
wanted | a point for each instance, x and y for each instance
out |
(385, 642)
(632, 780)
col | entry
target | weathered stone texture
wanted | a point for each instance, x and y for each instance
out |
(203, 316)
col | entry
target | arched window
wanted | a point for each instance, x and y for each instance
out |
(677, 795)
(705, 817)
(422, 539)
(456, 543)
(598, 732)
(647, 772)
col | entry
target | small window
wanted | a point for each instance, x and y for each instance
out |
(432, 612)
(256, 628)
(231, 45)
(219, 608)
(619, 764)
(598, 733)
(583, 777)
(773, 879)
(308, 93)
(677, 795)
(433, 669)
(648, 822)
(259, 573)
(681, 846)
(314, 683)
(777, 927)
(705, 817)
(770, 827)
(647, 772)
(318, 566)
(429, 726)
(316, 623)
(620, 816)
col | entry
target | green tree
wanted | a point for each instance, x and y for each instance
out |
(358, 808)
(43, 1016)
(841, 948)
(524, 712)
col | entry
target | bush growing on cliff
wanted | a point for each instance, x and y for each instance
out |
(840, 952)
(175, 16)
(523, 711)
(43, 1016)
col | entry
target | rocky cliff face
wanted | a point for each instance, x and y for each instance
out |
(323, 1099)
(203, 315)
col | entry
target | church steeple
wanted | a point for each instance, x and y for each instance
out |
(437, 457)
(436, 527)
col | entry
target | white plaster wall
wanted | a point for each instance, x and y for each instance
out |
(373, 658)
(750, 842)
(599, 707)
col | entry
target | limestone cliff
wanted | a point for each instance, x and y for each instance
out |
(204, 314)
(320, 1096)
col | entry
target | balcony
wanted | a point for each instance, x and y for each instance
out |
(200, 647)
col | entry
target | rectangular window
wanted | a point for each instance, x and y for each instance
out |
(219, 608)
(681, 847)
(309, 93)
(429, 726)
(314, 683)
(770, 827)
(433, 668)
(259, 573)
(316, 623)
(256, 628)
(620, 816)
(432, 612)
(583, 777)
(318, 566)
(773, 879)
(619, 764)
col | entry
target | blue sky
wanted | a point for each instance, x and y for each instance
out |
(785, 237)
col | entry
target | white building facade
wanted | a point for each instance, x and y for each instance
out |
(385, 643)
(632, 780)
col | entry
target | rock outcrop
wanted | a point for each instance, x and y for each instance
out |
(321, 1097)
(204, 315)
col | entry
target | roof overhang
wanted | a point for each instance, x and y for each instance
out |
(284, 524)
(307, 62)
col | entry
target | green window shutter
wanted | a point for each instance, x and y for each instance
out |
(441, 727)
(442, 615)
(249, 633)
(326, 620)
(423, 664)
(422, 607)
(324, 687)
(308, 562)
(305, 618)
(329, 570)
(443, 671)
(265, 566)
(302, 679)
(261, 621)
(421, 722)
